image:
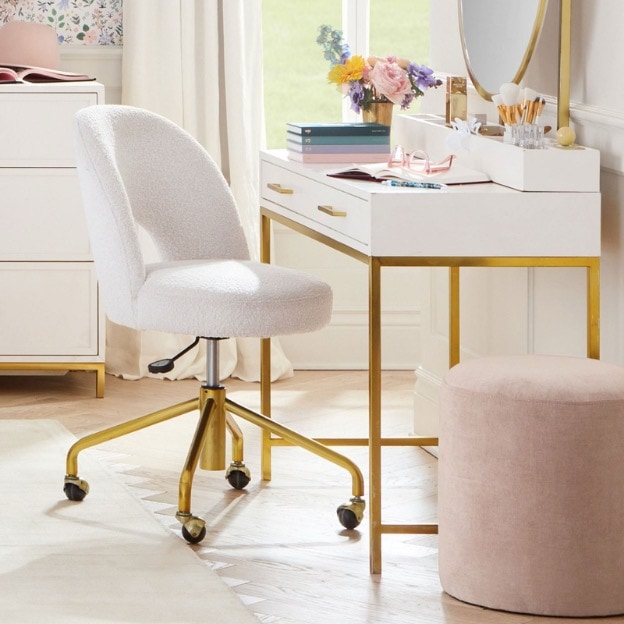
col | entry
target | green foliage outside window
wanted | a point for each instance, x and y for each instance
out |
(295, 72)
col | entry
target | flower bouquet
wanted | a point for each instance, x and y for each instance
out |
(367, 82)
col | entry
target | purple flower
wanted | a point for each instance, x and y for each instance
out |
(346, 52)
(422, 76)
(408, 98)
(356, 95)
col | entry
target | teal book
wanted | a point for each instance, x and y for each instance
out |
(330, 139)
(338, 129)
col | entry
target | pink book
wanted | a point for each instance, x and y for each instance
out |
(17, 73)
(338, 158)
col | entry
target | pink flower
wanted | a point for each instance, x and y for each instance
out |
(390, 80)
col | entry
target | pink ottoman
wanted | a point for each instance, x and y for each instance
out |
(531, 485)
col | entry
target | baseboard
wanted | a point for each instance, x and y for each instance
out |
(426, 402)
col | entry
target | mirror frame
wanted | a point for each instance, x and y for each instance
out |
(563, 80)
(528, 52)
(565, 44)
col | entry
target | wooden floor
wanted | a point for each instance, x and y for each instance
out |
(279, 544)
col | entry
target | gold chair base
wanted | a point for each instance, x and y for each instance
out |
(207, 450)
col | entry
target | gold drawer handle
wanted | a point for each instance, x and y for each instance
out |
(331, 211)
(278, 188)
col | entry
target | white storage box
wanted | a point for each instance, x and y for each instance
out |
(553, 168)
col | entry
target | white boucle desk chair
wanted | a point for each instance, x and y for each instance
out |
(137, 169)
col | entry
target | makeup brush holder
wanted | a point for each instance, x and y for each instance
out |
(527, 136)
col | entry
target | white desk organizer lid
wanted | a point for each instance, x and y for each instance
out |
(553, 168)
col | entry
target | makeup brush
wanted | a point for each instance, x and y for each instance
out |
(510, 92)
(498, 101)
(540, 107)
(527, 108)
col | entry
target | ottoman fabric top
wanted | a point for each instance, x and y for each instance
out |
(539, 378)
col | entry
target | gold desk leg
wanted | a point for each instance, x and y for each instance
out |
(265, 360)
(454, 340)
(265, 405)
(593, 309)
(374, 422)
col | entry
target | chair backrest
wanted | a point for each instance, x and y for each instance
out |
(135, 169)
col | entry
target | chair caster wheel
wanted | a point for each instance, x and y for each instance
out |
(193, 539)
(350, 514)
(193, 528)
(238, 475)
(75, 489)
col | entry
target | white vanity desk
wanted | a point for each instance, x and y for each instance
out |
(473, 225)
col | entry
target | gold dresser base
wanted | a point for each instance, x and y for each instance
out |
(98, 367)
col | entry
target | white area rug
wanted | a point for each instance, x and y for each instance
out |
(105, 559)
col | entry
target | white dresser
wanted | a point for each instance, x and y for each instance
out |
(50, 315)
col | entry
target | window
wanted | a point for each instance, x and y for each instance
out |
(295, 72)
(401, 28)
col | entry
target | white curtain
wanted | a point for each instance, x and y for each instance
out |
(199, 63)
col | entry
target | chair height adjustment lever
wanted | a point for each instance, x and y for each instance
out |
(167, 364)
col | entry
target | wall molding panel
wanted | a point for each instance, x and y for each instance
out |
(101, 62)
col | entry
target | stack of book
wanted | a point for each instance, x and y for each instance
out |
(338, 142)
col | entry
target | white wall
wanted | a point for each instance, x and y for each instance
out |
(597, 114)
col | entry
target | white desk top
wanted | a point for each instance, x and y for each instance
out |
(474, 220)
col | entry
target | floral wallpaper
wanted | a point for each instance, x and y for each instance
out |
(90, 22)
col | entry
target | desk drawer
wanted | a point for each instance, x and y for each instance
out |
(322, 204)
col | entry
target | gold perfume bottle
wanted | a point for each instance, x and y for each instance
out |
(456, 99)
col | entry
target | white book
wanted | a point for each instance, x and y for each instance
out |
(457, 174)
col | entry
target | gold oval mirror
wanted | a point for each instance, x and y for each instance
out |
(498, 39)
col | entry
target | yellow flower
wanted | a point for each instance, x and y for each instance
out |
(350, 71)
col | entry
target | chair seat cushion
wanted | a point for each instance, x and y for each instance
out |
(232, 298)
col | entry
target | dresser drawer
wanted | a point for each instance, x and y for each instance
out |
(48, 309)
(304, 197)
(41, 215)
(36, 128)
